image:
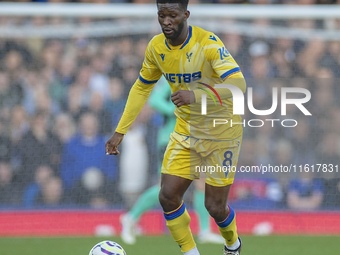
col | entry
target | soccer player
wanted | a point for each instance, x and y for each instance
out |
(193, 60)
(160, 101)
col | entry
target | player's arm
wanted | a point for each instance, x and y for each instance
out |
(137, 98)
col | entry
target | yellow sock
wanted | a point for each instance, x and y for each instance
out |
(177, 222)
(228, 228)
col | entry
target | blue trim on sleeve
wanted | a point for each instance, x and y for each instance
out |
(188, 39)
(176, 213)
(146, 81)
(228, 220)
(230, 72)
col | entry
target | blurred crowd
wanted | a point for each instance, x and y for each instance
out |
(60, 99)
(300, 2)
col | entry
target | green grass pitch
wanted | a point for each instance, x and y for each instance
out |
(253, 245)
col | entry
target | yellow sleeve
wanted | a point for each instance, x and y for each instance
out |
(140, 91)
(220, 59)
(150, 72)
(224, 66)
(138, 96)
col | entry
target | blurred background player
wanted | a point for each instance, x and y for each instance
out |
(160, 101)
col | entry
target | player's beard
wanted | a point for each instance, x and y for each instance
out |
(177, 32)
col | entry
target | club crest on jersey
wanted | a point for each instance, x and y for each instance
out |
(223, 53)
(189, 56)
(162, 56)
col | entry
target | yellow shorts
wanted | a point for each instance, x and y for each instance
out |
(193, 158)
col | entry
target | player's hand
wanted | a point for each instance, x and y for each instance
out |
(111, 145)
(183, 97)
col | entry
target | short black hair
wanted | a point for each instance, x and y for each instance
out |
(183, 3)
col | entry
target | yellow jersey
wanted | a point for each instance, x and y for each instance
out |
(198, 64)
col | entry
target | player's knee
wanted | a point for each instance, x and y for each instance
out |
(169, 201)
(216, 210)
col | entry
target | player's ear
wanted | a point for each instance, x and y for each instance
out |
(187, 14)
